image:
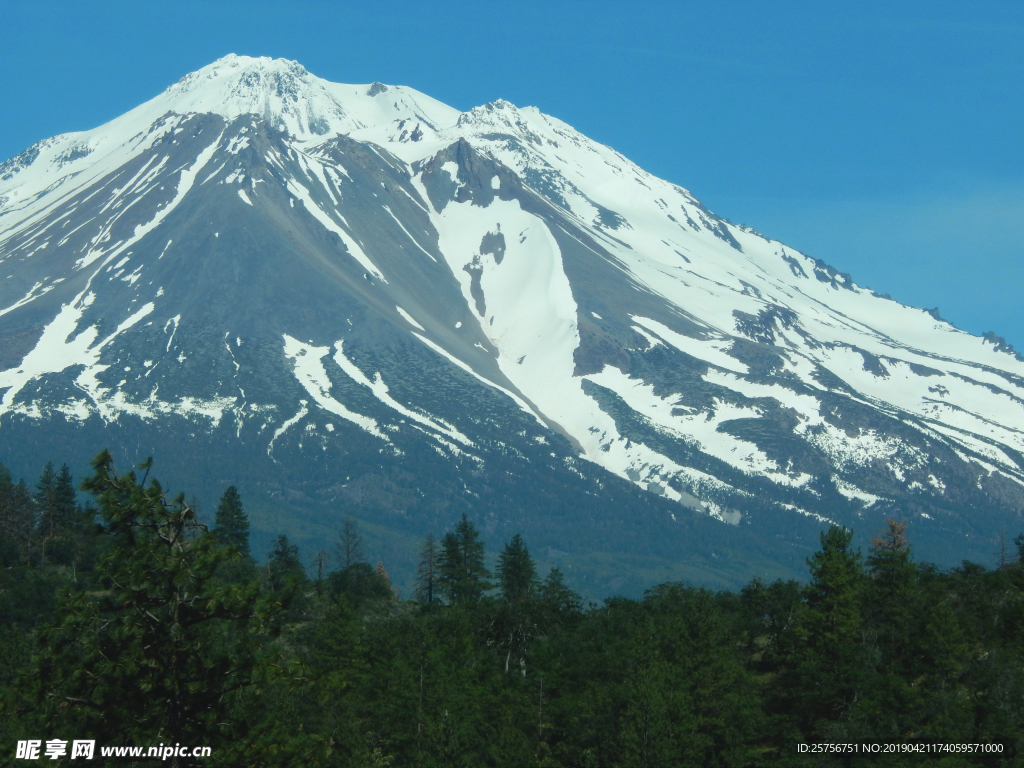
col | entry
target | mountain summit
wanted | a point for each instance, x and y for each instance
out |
(354, 298)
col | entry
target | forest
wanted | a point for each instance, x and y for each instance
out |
(127, 620)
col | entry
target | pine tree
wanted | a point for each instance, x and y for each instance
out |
(427, 573)
(232, 524)
(153, 656)
(559, 605)
(462, 575)
(829, 674)
(57, 506)
(360, 584)
(517, 575)
(919, 647)
(65, 497)
(45, 496)
(284, 564)
(892, 591)
(656, 705)
(515, 623)
(49, 517)
(834, 594)
(350, 543)
(891, 570)
(710, 700)
(17, 520)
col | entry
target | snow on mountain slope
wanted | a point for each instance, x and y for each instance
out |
(732, 280)
(338, 232)
(283, 93)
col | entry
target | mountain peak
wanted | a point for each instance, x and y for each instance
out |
(314, 277)
(283, 92)
(237, 68)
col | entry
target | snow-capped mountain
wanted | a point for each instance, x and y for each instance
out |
(354, 294)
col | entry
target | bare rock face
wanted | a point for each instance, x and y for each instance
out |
(352, 299)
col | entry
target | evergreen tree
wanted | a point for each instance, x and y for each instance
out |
(837, 577)
(284, 564)
(517, 575)
(515, 622)
(829, 667)
(893, 588)
(17, 520)
(558, 605)
(919, 649)
(231, 522)
(46, 498)
(463, 577)
(337, 665)
(427, 573)
(350, 543)
(65, 495)
(56, 502)
(153, 656)
(360, 584)
(154, 644)
(357, 581)
(658, 705)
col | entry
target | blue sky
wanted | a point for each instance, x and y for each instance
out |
(884, 138)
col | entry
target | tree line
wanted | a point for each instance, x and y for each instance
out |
(129, 621)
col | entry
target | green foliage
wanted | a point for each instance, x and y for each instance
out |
(359, 584)
(557, 604)
(517, 575)
(462, 577)
(17, 521)
(826, 660)
(285, 566)
(833, 596)
(153, 631)
(155, 653)
(231, 525)
(427, 574)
